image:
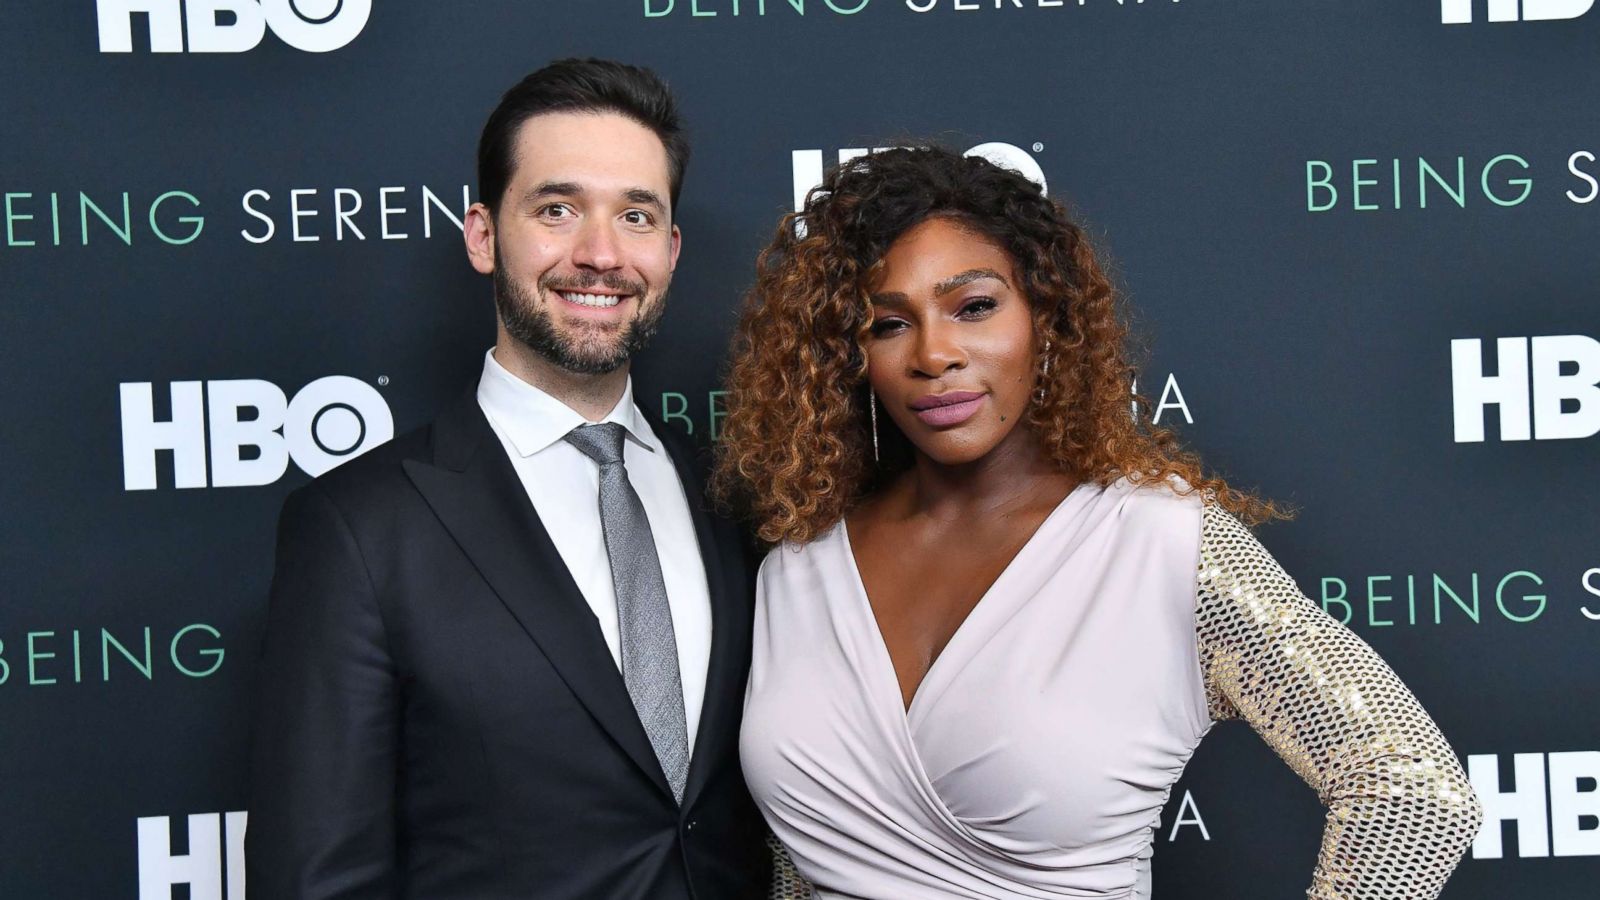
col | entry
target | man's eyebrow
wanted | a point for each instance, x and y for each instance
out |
(967, 277)
(644, 197)
(552, 189)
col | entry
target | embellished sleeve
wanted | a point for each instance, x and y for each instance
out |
(787, 883)
(1400, 810)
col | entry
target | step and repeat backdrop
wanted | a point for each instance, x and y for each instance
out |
(1361, 238)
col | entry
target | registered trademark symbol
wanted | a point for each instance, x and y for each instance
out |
(1037, 146)
(383, 380)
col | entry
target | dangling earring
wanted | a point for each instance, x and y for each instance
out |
(1045, 377)
(872, 407)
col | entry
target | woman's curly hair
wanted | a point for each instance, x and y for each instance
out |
(796, 448)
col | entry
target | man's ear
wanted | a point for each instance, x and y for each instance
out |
(677, 244)
(478, 233)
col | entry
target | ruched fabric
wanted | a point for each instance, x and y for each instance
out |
(1042, 744)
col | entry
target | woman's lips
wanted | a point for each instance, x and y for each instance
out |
(945, 410)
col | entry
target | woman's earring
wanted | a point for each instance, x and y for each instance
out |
(1045, 377)
(872, 406)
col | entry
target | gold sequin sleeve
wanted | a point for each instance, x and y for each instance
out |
(787, 884)
(1400, 810)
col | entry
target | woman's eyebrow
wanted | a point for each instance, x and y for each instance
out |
(967, 277)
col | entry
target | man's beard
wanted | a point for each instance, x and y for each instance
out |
(587, 348)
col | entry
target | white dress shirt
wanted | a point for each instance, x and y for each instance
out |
(564, 486)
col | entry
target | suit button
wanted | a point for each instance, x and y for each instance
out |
(689, 826)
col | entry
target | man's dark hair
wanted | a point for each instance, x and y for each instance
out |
(579, 85)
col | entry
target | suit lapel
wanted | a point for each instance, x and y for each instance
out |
(474, 490)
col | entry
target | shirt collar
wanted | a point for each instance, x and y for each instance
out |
(533, 420)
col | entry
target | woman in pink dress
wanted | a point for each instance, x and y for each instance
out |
(1001, 612)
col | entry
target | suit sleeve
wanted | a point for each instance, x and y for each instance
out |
(1400, 810)
(322, 809)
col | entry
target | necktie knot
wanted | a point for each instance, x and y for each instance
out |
(601, 443)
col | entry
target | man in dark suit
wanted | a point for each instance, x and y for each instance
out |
(506, 653)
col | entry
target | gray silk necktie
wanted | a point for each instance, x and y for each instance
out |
(649, 647)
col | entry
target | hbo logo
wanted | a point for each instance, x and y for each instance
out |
(1459, 12)
(315, 26)
(1556, 811)
(331, 420)
(1547, 388)
(807, 165)
(212, 839)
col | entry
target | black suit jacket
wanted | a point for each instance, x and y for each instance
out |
(439, 716)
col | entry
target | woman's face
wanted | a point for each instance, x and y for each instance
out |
(951, 355)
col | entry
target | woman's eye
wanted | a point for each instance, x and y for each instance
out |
(978, 306)
(882, 327)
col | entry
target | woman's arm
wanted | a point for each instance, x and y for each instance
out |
(787, 883)
(1400, 810)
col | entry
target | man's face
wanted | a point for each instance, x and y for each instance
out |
(584, 245)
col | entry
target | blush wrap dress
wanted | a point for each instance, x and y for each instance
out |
(1038, 751)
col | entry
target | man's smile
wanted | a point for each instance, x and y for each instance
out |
(594, 301)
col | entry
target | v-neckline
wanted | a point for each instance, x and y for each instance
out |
(906, 708)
